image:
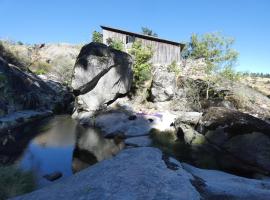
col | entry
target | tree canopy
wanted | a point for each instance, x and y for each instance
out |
(149, 32)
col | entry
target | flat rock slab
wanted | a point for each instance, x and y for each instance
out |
(19, 118)
(214, 184)
(137, 173)
(139, 124)
(143, 141)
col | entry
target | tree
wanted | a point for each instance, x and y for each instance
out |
(115, 43)
(142, 65)
(149, 32)
(97, 37)
(217, 52)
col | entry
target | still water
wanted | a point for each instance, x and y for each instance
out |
(60, 144)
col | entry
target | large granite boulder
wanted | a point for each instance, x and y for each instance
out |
(146, 173)
(229, 140)
(246, 137)
(101, 75)
(163, 85)
(22, 90)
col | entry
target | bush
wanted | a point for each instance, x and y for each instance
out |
(40, 67)
(230, 74)
(173, 67)
(9, 56)
(63, 69)
(142, 67)
(116, 44)
(97, 37)
(15, 182)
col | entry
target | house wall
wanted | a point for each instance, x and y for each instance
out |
(164, 53)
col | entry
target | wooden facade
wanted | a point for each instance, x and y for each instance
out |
(165, 51)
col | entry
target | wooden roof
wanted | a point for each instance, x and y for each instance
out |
(147, 37)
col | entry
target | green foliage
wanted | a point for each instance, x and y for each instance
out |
(40, 67)
(217, 52)
(149, 32)
(142, 66)
(214, 48)
(97, 37)
(116, 44)
(173, 67)
(15, 182)
(230, 74)
(20, 43)
(9, 56)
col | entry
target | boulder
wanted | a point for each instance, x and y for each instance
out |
(101, 75)
(233, 122)
(191, 118)
(163, 85)
(147, 173)
(246, 139)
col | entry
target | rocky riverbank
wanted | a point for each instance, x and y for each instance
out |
(228, 131)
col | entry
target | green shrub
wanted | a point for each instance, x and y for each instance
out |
(230, 74)
(116, 44)
(173, 67)
(15, 182)
(142, 67)
(40, 67)
(149, 32)
(9, 56)
(97, 37)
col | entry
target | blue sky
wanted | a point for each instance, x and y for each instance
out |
(248, 21)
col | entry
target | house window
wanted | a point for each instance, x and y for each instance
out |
(130, 39)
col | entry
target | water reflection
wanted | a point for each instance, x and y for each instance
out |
(60, 145)
(92, 147)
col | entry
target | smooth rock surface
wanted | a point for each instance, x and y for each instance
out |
(114, 123)
(137, 173)
(146, 173)
(101, 75)
(21, 117)
(214, 185)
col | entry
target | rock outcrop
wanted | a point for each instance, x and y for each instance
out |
(23, 90)
(146, 173)
(163, 85)
(101, 75)
(228, 140)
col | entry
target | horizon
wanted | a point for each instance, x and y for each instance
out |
(33, 22)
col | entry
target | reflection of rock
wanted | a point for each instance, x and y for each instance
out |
(144, 173)
(58, 132)
(92, 147)
(53, 176)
